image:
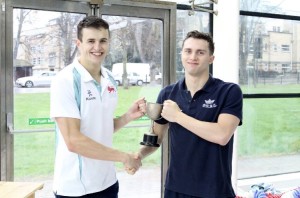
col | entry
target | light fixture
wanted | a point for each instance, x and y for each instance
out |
(199, 7)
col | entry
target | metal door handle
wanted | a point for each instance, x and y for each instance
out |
(9, 122)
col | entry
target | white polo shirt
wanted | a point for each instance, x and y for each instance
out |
(76, 175)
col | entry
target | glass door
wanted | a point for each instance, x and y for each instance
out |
(140, 59)
(40, 41)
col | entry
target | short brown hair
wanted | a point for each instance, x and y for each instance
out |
(91, 21)
(200, 35)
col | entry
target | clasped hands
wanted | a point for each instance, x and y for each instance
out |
(133, 163)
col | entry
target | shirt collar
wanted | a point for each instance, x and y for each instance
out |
(207, 87)
(86, 76)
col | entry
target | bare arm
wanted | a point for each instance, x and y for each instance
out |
(219, 133)
(137, 110)
(160, 131)
(79, 143)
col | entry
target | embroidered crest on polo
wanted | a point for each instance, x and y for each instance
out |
(90, 95)
(209, 104)
(111, 89)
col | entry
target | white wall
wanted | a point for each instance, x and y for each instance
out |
(226, 38)
(226, 63)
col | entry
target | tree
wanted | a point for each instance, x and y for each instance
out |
(141, 38)
(66, 35)
(21, 16)
(249, 33)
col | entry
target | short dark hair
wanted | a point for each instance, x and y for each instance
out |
(91, 22)
(204, 36)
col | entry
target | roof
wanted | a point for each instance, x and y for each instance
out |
(22, 63)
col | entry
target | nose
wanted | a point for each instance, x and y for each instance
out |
(193, 56)
(97, 46)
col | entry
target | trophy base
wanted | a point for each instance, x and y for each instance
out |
(149, 144)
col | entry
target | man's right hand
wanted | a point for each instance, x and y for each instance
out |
(132, 163)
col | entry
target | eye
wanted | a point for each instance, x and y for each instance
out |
(187, 51)
(103, 41)
(200, 52)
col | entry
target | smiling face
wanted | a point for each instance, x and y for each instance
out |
(93, 46)
(196, 57)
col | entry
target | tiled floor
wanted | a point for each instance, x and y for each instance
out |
(146, 182)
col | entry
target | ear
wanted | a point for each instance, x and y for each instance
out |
(211, 59)
(78, 42)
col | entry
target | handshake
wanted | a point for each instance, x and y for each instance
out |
(132, 163)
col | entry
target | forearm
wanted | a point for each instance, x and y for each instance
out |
(146, 151)
(87, 147)
(137, 110)
(160, 131)
(121, 122)
(219, 132)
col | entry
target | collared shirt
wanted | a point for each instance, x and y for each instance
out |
(198, 167)
(75, 94)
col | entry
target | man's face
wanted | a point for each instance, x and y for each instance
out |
(195, 56)
(94, 46)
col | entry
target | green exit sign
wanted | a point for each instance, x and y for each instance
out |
(40, 121)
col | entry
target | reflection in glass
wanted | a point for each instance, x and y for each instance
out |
(269, 55)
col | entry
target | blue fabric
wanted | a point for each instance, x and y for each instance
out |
(77, 87)
(197, 167)
(296, 193)
(172, 194)
(77, 91)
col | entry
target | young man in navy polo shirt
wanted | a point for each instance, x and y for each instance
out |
(201, 114)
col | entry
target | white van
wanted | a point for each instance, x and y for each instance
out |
(133, 79)
(137, 73)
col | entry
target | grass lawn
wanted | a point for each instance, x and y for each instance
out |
(270, 127)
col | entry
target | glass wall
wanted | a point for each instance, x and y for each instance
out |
(269, 75)
(282, 7)
(44, 43)
(188, 21)
(269, 55)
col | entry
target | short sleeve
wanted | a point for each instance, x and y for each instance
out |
(234, 102)
(62, 98)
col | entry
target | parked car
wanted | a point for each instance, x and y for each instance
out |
(43, 79)
(158, 78)
(133, 79)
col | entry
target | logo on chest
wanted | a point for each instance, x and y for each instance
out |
(111, 89)
(90, 95)
(209, 104)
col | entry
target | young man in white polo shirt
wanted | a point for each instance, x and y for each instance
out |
(83, 100)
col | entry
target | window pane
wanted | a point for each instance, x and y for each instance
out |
(269, 140)
(288, 7)
(269, 55)
(187, 22)
(44, 43)
(136, 52)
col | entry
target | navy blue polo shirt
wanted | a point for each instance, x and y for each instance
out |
(198, 167)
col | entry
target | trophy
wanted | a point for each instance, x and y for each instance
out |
(153, 111)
